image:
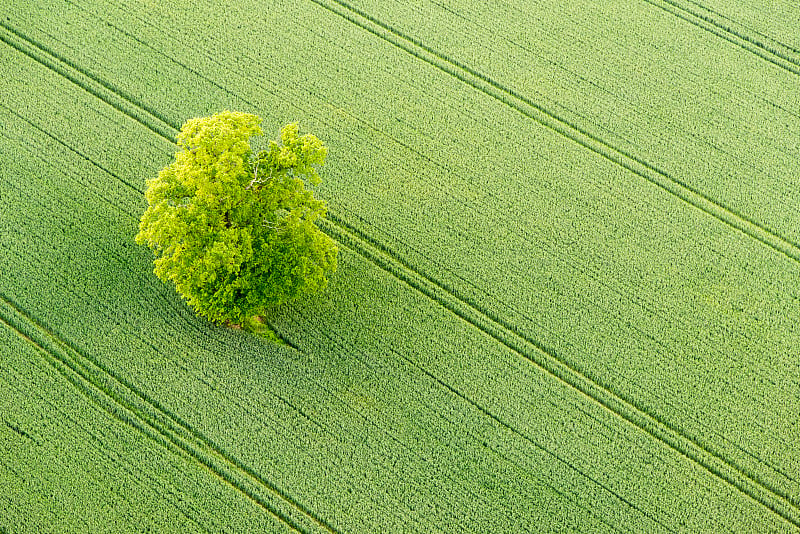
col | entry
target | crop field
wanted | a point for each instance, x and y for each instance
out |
(568, 294)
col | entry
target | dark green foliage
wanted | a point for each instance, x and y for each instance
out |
(235, 230)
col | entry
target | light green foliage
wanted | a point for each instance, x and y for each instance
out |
(235, 230)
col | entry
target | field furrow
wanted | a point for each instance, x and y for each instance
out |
(777, 53)
(547, 360)
(552, 120)
(708, 456)
(721, 442)
(66, 450)
(106, 92)
(772, 26)
(544, 315)
(706, 132)
(124, 402)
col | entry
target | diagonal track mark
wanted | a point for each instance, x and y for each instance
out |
(542, 356)
(336, 340)
(548, 360)
(552, 121)
(123, 401)
(22, 433)
(709, 22)
(67, 421)
(78, 153)
(510, 428)
(115, 410)
(106, 92)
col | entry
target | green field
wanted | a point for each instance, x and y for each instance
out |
(568, 294)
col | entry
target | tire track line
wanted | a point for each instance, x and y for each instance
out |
(335, 340)
(63, 420)
(530, 349)
(66, 421)
(106, 92)
(510, 428)
(552, 121)
(169, 58)
(577, 266)
(124, 402)
(548, 360)
(595, 277)
(708, 20)
(81, 155)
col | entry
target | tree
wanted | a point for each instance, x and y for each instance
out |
(235, 231)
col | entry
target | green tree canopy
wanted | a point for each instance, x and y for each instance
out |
(235, 231)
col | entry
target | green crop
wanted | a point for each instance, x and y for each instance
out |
(568, 268)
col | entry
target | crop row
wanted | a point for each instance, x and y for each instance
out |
(407, 219)
(65, 449)
(315, 446)
(653, 97)
(102, 312)
(631, 260)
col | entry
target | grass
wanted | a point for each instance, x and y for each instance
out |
(538, 322)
